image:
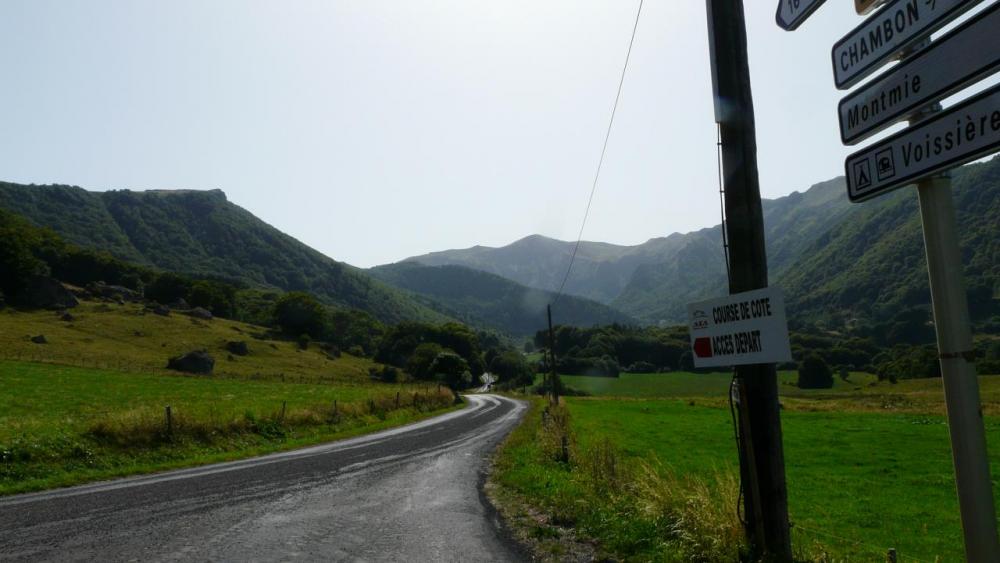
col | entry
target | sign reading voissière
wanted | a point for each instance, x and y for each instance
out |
(900, 24)
(963, 133)
(960, 58)
(739, 329)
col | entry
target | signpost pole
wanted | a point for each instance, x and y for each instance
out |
(961, 388)
(748, 260)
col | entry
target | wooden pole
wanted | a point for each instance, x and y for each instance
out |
(553, 376)
(766, 495)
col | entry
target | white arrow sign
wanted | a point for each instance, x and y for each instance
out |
(900, 24)
(791, 13)
(964, 133)
(961, 58)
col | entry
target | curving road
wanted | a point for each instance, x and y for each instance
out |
(408, 494)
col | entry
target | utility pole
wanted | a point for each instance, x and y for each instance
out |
(553, 376)
(762, 463)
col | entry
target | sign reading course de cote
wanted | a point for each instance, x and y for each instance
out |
(739, 329)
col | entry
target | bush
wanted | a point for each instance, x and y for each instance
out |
(385, 374)
(303, 341)
(511, 370)
(814, 373)
(641, 367)
(300, 313)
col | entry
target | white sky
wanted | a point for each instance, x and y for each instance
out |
(376, 130)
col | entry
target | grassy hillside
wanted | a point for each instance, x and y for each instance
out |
(873, 263)
(483, 299)
(130, 338)
(90, 402)
(202, 233)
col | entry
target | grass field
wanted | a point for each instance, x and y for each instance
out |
(63, 425)
(91, 402)
(127, 338)
(868, 469)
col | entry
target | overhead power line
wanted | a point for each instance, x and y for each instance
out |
(600, 162)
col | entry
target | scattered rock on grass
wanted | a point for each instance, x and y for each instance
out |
(40, 339)
(66, 316)
(238, 347)
(199, 313)
(47, 293)
(198, 362)
(162, 310)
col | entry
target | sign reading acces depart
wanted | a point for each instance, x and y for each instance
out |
(740, 329)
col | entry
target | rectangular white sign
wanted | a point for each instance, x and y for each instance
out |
(898, 25)
(791, 13)
(959, 59)
(744, 328)
(961, 134)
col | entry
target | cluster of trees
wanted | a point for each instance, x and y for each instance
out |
(608, 350)
(29, 251)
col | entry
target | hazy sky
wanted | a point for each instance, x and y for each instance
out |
(376, 130)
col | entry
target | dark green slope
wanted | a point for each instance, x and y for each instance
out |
(600, 271)
(696, 269)
(202, 233)
(485, 299)
(872, 264)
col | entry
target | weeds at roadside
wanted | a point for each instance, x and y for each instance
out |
(631, 509)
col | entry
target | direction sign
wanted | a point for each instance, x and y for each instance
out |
(963, 56)
(739, 329)
(791, 13)
(961, 134)
(901, 24)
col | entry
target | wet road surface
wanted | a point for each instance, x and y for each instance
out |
(408, 494)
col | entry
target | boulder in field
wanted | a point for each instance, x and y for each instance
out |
(238, 347)
(162, 310)
(180, 304)
(66, 316)
(197, 362)
(117, 293)
(47, 293)
(200, 313)
(40, 339)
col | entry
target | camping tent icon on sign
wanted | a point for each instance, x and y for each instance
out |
(862, 174)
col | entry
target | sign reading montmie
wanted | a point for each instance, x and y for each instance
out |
(739, 329)
(962, 57)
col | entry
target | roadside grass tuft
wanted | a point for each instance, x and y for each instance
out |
(633, 509)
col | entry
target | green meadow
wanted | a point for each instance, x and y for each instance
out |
(91, 403)
(868, 466)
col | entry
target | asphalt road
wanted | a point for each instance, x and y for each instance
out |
(409, 494)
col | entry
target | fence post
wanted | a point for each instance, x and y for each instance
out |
(283, 406)
(890, 557)
(397, 399)
(170, 422)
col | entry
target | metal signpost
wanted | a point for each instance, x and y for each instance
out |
(740, 329)
(898, 26)
(791, 13)
(936, 141)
